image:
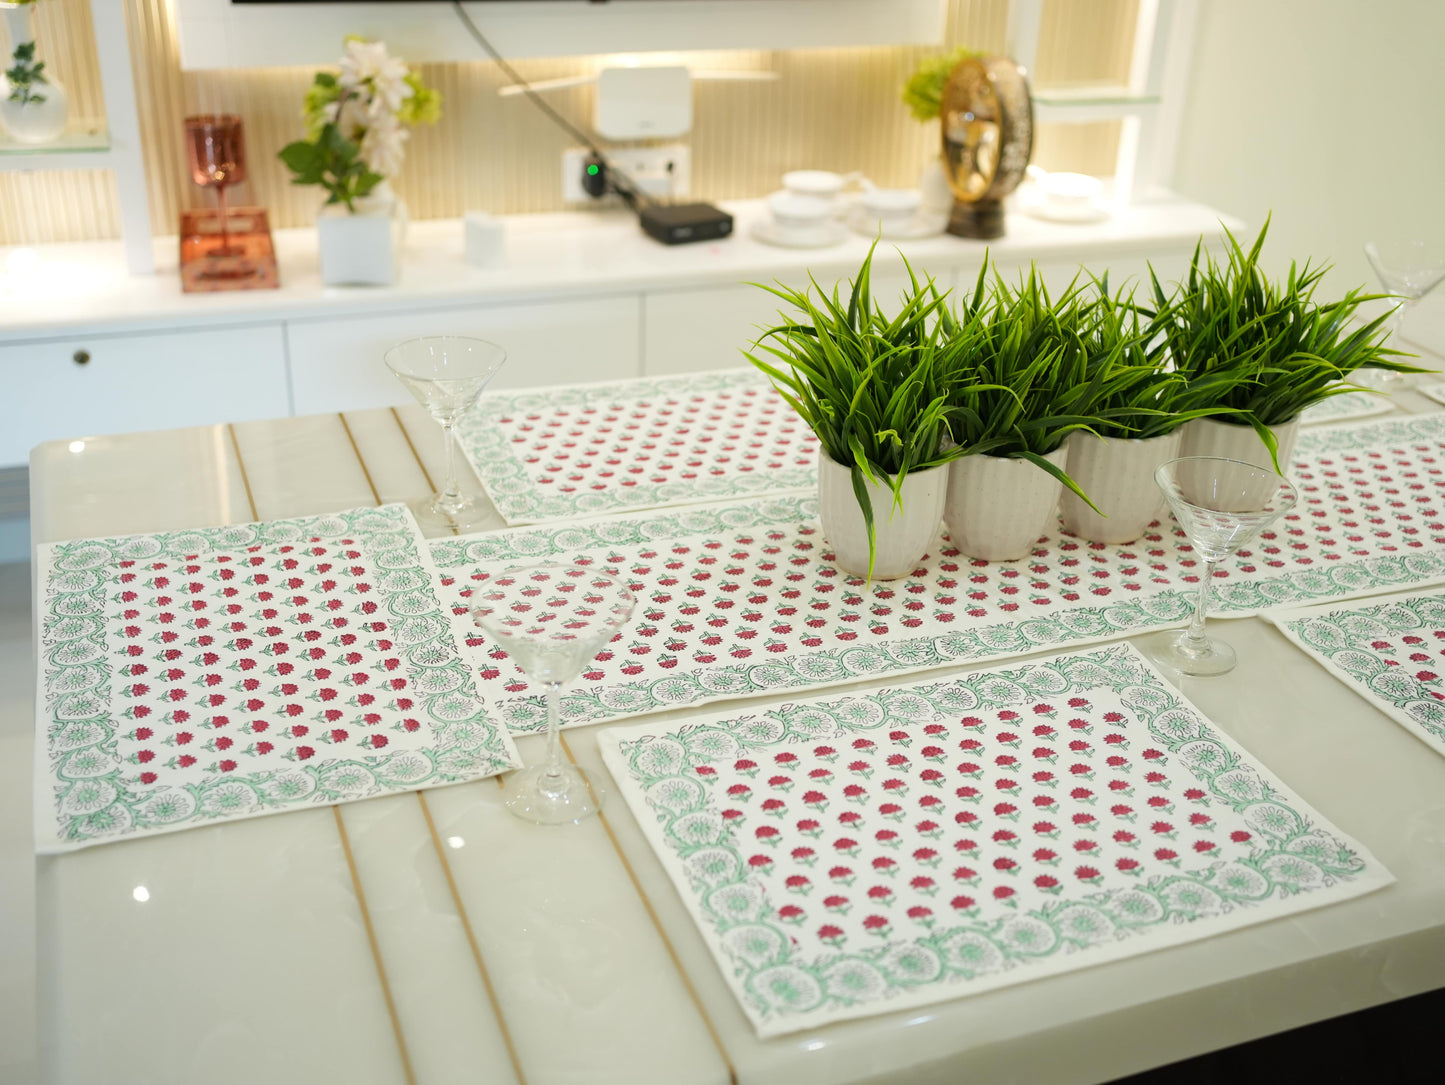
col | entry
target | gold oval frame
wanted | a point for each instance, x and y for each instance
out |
(986, 120)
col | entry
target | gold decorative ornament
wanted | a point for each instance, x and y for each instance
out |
(987, 123)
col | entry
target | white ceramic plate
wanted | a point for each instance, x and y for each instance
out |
(922, 224)
(1039, 208)
(813, 237)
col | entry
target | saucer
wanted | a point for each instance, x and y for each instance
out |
(1080, 214)
(813, 237)
(921, 224)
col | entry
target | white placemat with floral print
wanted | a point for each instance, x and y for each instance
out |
(195, 676)
(1391, 652)
(1435, 391)
(1350, 405)
(552, 453)
(742, 598)
(881, 851)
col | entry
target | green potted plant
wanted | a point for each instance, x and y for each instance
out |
(1025, 386)
(1282, 350)
(922, 94)
(1140, 406)
(872, 388)
(357, 125)
(33, 105)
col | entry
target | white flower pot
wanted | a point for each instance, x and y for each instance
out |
(361, 248)
(903, 535)
(1208, 437)
(999, 506)
(936, 198)
(32, 121)
(1118, 476)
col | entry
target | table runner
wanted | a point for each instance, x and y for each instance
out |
(876, 852)
(194, 676)
(549, 454)
(1348, 406)
(742, 598)
(1390, 652)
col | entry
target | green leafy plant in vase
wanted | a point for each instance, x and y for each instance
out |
(1266, 349)
(358, 121)
(34, 107)
(873, 389)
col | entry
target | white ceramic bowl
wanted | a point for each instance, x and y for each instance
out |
(1070, 191)
(823, 184)
(890, 205)
(796, 212)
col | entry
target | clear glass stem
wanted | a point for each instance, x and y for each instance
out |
(451, 496)
(1194, 639)
(225, 249)
(553, 781)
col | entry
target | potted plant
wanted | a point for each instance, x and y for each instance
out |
(33, 104)
(358, 123)
(923, 95)
(1139, 407)
(872, 389)
(1280, 349)
(1027, 388)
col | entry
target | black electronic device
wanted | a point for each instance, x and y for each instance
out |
(679, 223)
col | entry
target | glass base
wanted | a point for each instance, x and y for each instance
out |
(439, 516)
(542, 800)
(1382, 380)
(1177, 652)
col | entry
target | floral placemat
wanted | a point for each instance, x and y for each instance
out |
(1391, 652)
(553, 453)
(1435, 391)
(195, 676)
(1350, 405)
(881, 851)
(742, 598)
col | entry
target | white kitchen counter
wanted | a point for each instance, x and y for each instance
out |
(86, 287)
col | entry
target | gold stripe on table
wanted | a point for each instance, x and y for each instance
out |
(657, 924)
(375, 493)
(245, 478)
(406, 435)
(375, 948)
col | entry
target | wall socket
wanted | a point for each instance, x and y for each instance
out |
(663, 172)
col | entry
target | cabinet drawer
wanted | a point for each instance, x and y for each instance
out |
(692, 330)
(336, 365)
(85, 386)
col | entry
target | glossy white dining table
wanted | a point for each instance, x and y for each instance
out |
(433, 938)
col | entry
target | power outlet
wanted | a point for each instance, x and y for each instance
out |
(664, 173)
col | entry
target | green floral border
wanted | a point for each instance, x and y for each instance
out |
(1350, 405)
(521, 500)
(1300, 856)
(1078, 625)
(81, 795)
(1334, 638)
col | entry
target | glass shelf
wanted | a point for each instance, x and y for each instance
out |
(87, 141)
(1091, 96)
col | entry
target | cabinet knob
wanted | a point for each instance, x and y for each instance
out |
(81, 357)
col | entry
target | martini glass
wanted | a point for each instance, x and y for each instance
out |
(1221, 504)
(551, 619)
(446, 375)
(1409, 269)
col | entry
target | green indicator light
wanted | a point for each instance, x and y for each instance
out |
(592, 171)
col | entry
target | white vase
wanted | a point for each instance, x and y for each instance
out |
(361, 247)
(1118, 476)
(998, 506)
(903, 535)
(34, 121)
(935, 197)
(1208, 437)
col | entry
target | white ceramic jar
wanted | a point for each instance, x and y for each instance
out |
(42, 118)
(1210, 437)
(998, 506)
(903, 535)
(1118, 475)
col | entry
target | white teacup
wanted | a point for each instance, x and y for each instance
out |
(1070, 191)
(794, 212)
(892, 208)
(820, 184)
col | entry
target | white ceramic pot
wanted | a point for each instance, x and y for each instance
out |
(998, 506)
(42, 118)
(1208, 437)
(361, 248)
(1118, 476)
(903, 535)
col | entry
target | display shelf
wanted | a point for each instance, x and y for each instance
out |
(87, 148)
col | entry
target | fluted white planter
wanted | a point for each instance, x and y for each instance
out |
(998, 507)
(33, 121)
(1207, 437)
(1118, 475)
(903, 535)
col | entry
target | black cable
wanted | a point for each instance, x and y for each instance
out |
(629, 191)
